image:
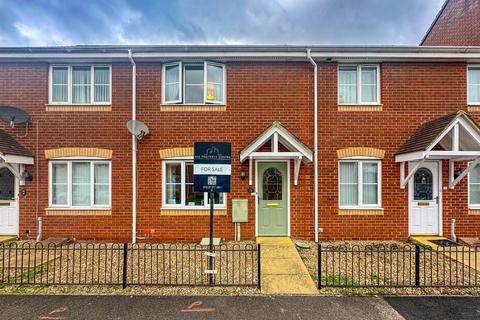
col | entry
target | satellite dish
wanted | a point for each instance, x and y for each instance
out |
(14, 115)
(137, 128)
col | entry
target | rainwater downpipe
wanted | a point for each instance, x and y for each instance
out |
(315, 142)
(134, 149)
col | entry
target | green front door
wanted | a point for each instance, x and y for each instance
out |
(272, 199)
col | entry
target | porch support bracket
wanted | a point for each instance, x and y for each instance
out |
(296, 169)
(452, 184)
(404, 181)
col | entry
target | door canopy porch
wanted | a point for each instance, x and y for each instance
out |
(13, 155)
(454, 137)
(278, 136)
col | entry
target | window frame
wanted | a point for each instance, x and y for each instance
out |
(70, 84)
(68, 162)
(359, 84)
(182, 66)
(183, 205)
(471, 66)
(473, 206)
(360, 162)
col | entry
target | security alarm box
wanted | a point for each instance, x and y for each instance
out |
(239, 210)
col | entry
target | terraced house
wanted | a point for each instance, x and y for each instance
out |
(349, 142)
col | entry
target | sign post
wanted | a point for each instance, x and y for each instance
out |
(211, 173)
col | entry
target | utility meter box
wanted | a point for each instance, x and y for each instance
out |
(239, 210)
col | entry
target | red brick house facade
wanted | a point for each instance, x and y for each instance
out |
(456, 24)
(371, 101)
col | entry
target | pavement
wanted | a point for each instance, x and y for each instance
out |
(241, 307)
(283, 271)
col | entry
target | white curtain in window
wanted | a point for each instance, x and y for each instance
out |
(370, 183)
(59, 183)
(173, 183)
(369, 84)
(214, 83)
(474, 85)
(59, 84)
(474, 187)
(81, 85)
(81, 184)
(101, 184)
(102, 84)
(347, 85)
(172, 83)
(348, 183)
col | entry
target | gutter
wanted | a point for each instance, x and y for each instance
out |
(134, 149)
(315, 142)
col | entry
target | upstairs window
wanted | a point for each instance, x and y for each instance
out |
(358, 84)
(82, 84)
(194, 83)
(473, 85)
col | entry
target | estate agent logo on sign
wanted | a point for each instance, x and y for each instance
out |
(212, 166)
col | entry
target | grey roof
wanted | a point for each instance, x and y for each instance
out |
(428, 132)
(10, 146)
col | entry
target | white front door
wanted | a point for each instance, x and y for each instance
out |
(424, 199)
(8, 202)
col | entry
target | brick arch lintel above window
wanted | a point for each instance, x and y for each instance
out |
(175, 152)
(360, 152)
(78, 152)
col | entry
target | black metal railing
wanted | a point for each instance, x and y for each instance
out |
(31, 263)
(397, 266)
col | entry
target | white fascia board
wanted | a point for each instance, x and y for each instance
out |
(276, 155)
(452, 154)
(411, 156)
(17, 159)
(263, 138)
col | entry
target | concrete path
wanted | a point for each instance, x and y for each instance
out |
(236, 308)
(282, 269)
(463, 254)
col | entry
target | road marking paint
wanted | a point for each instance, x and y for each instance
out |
(51, 314)
(194, 305)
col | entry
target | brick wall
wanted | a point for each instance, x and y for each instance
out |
(257, 95)
(457, 25)
(411, 93)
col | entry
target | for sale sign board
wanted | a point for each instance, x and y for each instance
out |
(212, 166)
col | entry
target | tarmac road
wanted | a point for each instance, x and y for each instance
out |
(226, 307)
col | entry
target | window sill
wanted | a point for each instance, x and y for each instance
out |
(193, 107)
(78, 107)
(473, 107)
(360, 107)
(474, 211)
(78, 212)
(361, 212)
(191, 212)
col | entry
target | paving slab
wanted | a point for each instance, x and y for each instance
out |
(283, 271)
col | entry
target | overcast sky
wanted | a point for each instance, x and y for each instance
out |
(68, 22)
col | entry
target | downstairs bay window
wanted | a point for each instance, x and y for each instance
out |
(79, 184)
(359, 184)
(178, 192)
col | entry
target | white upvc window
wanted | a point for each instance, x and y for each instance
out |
(473, 84)
(80, 184)
(360, 184)
(177, 187)
(80, 84)
(193, 83)
(474, 188)
(358, 84)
